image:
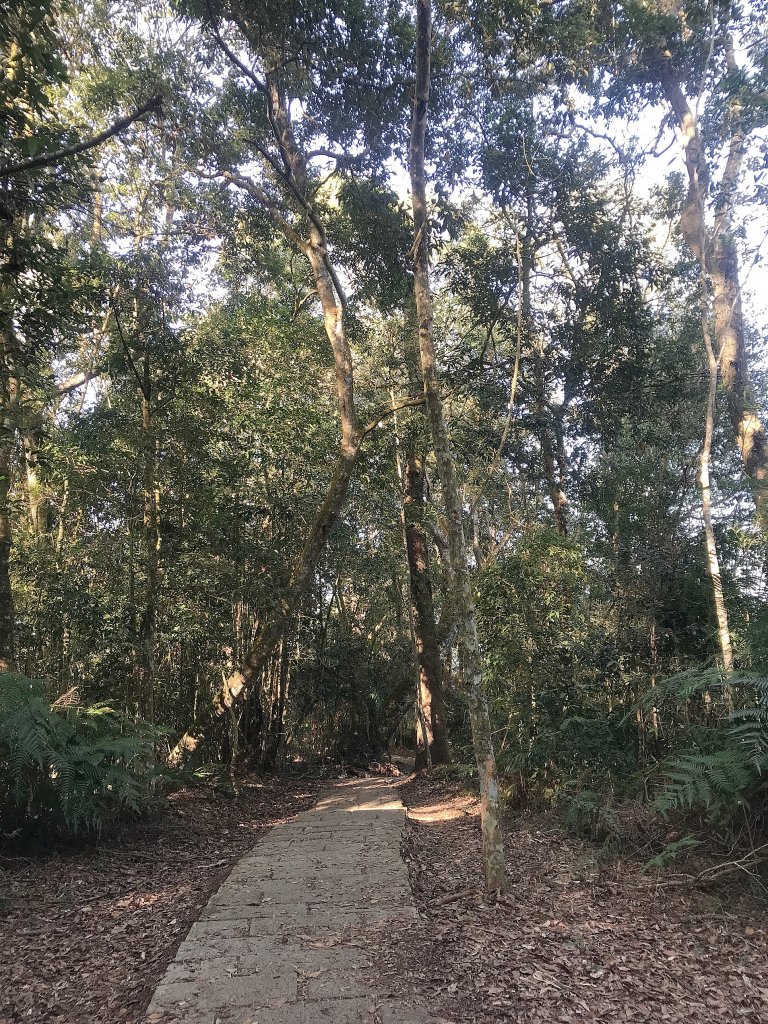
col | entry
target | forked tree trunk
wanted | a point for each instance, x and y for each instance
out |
(716, 247)
(493, 849)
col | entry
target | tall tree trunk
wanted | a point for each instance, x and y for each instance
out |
(145, 652)
(694, 228)
(493, 849)
(717, 248)
(705, 487)
(8, 402)
(10, 268)
(329, 293)
(432, 724)
(432, 697)
(7, 609)
(713, 561)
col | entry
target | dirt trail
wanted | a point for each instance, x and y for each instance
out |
(276, 944)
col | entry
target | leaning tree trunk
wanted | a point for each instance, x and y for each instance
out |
(493, 849)
(235, 688)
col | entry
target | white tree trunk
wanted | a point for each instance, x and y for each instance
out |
(493, 848)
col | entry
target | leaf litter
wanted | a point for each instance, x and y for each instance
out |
(86, 933)
(574, 938)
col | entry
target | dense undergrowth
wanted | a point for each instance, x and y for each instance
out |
(70, 769)
(684, 768)
(79, 770)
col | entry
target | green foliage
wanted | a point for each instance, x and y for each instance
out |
(723, 774)
(672, 851)
(716, 782)
(75, 771)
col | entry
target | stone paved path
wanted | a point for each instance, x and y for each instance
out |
(275, 944)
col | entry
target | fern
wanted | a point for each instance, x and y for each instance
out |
(671, 852)
(721, 774)
(75, 769)
(716, 781)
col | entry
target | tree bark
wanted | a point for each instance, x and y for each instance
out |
(146, 640)
(235, 688)
(7, 608)
(717, 248)
(493, 849)
(432, 697)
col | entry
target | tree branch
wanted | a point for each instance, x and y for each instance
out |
(49, 159)
(253, 190)
(411, 403)
(249, 73)
(77, 380)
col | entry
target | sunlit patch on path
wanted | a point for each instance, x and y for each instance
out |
(277, 943)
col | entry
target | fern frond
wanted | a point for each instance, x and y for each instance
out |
(717, 780)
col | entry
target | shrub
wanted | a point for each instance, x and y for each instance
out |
(69, 770)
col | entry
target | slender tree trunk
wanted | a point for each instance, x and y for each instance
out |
(273, 739)
(717, 249)
(705, 489)
(145, 653)
(730, 340)
(493, 849)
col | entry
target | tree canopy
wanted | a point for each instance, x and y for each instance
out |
(362, 374)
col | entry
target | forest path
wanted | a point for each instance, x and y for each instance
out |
(276, 944)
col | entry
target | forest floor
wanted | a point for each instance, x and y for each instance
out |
(86, 933)
(578, 937)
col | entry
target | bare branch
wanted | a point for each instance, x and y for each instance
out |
(411, 403)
